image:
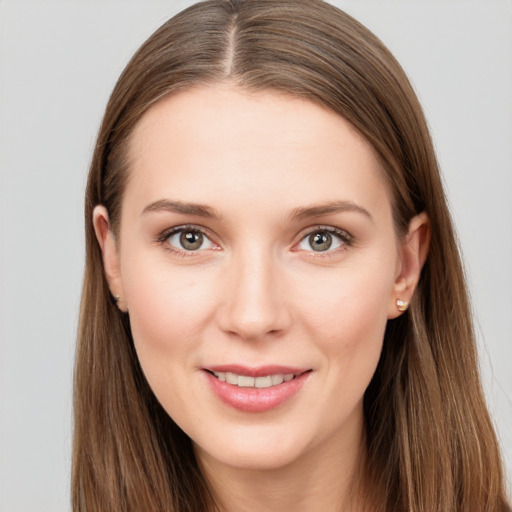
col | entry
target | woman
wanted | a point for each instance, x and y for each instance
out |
(274, 315)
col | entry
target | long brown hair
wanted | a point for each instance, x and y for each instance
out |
(430, 443)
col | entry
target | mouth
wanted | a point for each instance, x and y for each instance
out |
(256, 389)
(247, 381)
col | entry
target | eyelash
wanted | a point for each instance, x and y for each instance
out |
(164, 237)
(347, 240)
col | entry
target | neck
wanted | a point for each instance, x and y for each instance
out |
(328, 478)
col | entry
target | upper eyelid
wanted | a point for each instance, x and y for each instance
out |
(166, 233)
(319, 227)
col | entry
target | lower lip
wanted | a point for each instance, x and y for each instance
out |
(256, 399)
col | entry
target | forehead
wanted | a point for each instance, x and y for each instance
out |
(220, 139)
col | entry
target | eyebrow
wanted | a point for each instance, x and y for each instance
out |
(299, 213)
(318, 210)
(167, 205)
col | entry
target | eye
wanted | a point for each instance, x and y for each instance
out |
(324, 240)
(188, 239)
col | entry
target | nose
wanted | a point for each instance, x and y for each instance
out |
(254, 303)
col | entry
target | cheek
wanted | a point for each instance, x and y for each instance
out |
(347, 315)
(167, 308)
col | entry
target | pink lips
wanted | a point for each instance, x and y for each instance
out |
(251, 399)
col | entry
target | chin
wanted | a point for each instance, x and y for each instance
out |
(262, 450)
(253, 460)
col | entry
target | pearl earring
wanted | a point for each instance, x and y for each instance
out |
(402, 305)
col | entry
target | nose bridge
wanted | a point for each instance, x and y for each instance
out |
(254, 303)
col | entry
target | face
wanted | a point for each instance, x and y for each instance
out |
(258, 262)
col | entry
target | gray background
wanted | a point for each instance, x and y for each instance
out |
(58, 63)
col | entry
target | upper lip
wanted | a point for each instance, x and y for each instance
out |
(259, 371)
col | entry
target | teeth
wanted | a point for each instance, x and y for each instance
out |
(263, 382)
(231, 378)
(244, 381)
(277, 379)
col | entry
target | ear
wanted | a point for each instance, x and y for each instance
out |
(413, 250)
(111, 264)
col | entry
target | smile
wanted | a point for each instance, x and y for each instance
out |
(246, 381)
(256, 389)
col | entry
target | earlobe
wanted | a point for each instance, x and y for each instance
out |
(111, 264)
(413, 254)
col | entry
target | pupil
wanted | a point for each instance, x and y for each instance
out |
(320, 241)
(190, 240)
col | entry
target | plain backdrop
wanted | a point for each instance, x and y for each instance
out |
(58, 63)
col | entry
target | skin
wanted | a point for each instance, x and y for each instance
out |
(256, 293)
